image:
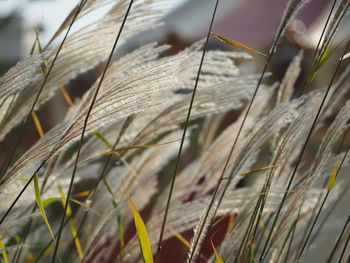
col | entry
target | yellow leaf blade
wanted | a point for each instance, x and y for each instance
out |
(22, 179)
(51, 200)
(71, 222)
(2, 247)
(218, 258)
(41, 205)
(180, 237)
(83, 194)
(43, 64)
(142, 234)
(236, 44)
(137, 147)
(129, 148)
(331, 180)
(260, 169)
(66, 96)
(37, 124)
(324, 58)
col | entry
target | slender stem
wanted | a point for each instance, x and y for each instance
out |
(301, 253)
(172, 184)
(291, 239)
(84, 129)
(344, 249)
(338, 241)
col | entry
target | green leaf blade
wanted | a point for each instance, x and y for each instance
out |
(218, 258)
(41, 205)
(236, 44)
(142, 235)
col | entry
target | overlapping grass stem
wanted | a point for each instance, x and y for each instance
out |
(261, 189)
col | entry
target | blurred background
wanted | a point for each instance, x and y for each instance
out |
(248, 21)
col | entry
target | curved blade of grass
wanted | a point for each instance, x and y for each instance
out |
(102, 138)
(33, 47)
(8, 109)
(181, 238)
(83, 194)
(37, 124)
(137, 147)
(51, 200)
(22, 179)
(218, 258)
(43, 64)
(236, 44)
(257, 170)
(86, 207)
(45, 70)
(40, 204)
(324, 58)
(129, 148)
(71, 222)
(2, 247)
(142, 234)
(184, 241)
(331, 180)
(66, 96)
(231, 222)
(260, 169)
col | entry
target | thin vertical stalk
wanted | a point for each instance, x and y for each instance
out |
(330, 258)
(344, 249)
(84, 129)
(172, 184)
(293, 233)
(313, 225)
